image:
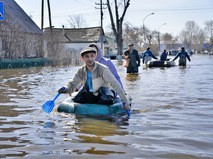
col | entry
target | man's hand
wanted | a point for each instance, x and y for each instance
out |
(62, 90)
(126, 106)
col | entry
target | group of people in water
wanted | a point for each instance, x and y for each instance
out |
(98, 81)
(132, 60)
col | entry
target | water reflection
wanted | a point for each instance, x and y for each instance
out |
(95, 131)
(49, 124)
(132, 77)
(94, 150)
(171, 115)
(98, 128)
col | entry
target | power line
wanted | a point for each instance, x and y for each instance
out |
(101, 12)
(136, 10)
(69, 12)
(173, 10)
(81, 2)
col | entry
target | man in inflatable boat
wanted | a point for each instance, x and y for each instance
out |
(97, 82)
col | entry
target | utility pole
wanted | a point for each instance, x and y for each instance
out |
(101, 12)
(49, 11)
(42, 15)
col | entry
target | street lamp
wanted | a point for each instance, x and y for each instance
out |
(144, 27)
(159, 36)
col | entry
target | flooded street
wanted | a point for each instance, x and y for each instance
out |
(172, 116)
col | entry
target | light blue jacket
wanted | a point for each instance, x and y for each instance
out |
(109, 64)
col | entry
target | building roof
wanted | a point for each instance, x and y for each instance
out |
(76, 35)
(15, 17)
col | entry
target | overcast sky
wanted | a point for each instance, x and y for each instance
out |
(175, 13)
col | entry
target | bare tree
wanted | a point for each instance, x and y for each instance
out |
(117, 24)
(189, 33)
(167, 37)
(132, 34)
(170, 41)
(199, 41)
(58, 51)
(77, 21)
(19, 44)
(209, 30)
(153, 40)
(53, 47)
(192, 36)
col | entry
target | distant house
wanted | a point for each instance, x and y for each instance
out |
(110, 45)
(73, 39)
(20, 37)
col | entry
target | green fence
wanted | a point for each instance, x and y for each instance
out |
(23, 63)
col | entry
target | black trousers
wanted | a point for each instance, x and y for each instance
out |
(105, 96)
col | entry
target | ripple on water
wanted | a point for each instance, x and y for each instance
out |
(171, 116)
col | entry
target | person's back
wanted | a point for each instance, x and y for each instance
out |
(163, 56)
(182, 57)
(147, 56)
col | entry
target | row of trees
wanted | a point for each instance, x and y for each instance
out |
(19, 44)
(192, 36)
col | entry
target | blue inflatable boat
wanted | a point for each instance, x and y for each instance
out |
(94, 110)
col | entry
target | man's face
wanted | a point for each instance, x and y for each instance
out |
(89, 59)
(130, 47)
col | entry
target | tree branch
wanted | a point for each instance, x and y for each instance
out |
(116, 14)
(111, 18)
(125, 9)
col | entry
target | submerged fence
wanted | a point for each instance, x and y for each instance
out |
(23, 63)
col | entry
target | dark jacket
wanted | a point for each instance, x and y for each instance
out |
(182, 57)
(134, 61)
(163, 56)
